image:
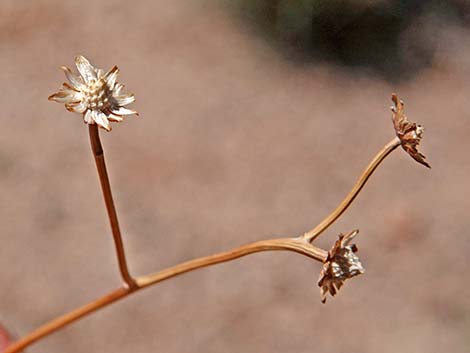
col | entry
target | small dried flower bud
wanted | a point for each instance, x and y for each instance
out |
(94, 94)
(342, 263)
(410, 134)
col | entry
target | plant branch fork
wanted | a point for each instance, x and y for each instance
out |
(341, 257)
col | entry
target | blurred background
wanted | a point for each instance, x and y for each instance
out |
(256, 119)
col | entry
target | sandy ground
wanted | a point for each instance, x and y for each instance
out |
(234, 144)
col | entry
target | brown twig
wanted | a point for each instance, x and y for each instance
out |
(108, 199)
(384, 152)
(298, 245)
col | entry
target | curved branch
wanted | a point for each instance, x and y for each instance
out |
(384, 152)
(298, 245)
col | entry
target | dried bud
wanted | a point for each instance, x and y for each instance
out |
(342, 263)
(410, 134)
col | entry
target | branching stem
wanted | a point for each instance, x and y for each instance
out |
(298, 245)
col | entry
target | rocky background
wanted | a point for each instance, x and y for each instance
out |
(256, 120)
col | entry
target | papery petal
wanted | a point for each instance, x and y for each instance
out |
(75, 95)
(123, 111)
(113, 117)
(99, 73)
(102, 120)
(73, 79)
(64, 96)
(88, 118)
(117, 89)
(125, 99)
(86, 69)
(111, 77)
(58, 95)
(79, 107)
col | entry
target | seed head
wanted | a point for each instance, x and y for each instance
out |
(95, 95)
(342, 263)
(410, 134)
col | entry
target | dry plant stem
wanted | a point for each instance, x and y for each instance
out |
(384, 152)
(298, 245)
(108, 199)
(64, 320)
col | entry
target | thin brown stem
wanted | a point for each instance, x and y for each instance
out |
(108, 199)
(298, 245)
(384, 152)
(66, 319)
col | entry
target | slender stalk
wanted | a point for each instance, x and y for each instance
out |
(108, 199)
(66, 319)
(383, 153)
(298, 245)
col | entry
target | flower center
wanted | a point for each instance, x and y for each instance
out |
(96, 95)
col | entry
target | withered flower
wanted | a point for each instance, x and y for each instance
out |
(342, 263)
(410, 134)
(94, 94)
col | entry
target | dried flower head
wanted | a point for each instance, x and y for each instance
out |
(94, 94)
(410, 134)
(342, 263)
